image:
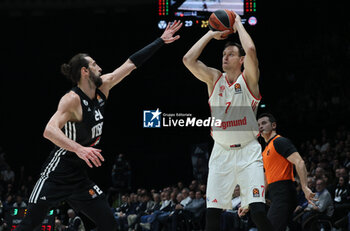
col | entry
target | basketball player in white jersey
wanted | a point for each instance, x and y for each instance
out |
(236, 157)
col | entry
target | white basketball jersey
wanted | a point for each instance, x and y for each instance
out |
(236, 107)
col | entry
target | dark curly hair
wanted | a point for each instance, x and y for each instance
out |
(72, 69)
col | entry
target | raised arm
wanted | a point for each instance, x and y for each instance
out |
(138, 58)
(251, 64)
(69, 109)
(197, 67)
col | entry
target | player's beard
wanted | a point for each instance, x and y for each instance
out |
(96, 79)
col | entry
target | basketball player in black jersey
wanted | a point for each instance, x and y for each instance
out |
(75, 129)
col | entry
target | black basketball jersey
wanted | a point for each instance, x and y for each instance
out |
(64, 166)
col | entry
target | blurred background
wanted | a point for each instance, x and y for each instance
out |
(303, 49)
(303, 52)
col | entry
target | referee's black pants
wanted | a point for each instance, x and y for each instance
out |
(283, 203)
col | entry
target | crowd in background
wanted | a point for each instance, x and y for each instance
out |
(312, 79)
(182, 207)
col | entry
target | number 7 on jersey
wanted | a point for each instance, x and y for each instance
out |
(228, 105)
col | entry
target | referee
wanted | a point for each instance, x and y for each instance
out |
(278, 157)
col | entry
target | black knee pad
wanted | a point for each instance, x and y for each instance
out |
(213, 219)
(258, 215)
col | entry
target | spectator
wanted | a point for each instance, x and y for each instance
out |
(162, 219)
(120, 213)
(347, 159)
(74, 223)
(156, 219)
(135, 209)
(343, 172)
(133, 203)
(153, 191)
(7, 204)
(319, 173)
(173, 195)
(176, 217)
(191, 213)
(311, 183)
(196, 206)
(203, 189)
(10, 190)
(8, 175)
(19, 202)
(192, 195)
(156, 206)
(58, 225)
(166, 201)
(180, 185)
(175, 190)
(186, 195)
(341, 201)
(143, 208)
(236, 200)
(339, 172)
(179, 198)
(325, 144)
(322, 208)
(194, 185)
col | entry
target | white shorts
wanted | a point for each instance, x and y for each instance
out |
(231, 166)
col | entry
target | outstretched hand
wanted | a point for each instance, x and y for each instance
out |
(171, 29)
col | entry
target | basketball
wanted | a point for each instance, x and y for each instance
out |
(221, 20)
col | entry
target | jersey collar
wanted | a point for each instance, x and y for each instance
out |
(271, 139)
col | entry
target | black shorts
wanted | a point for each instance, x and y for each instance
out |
(51, 193)
(85, 197)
